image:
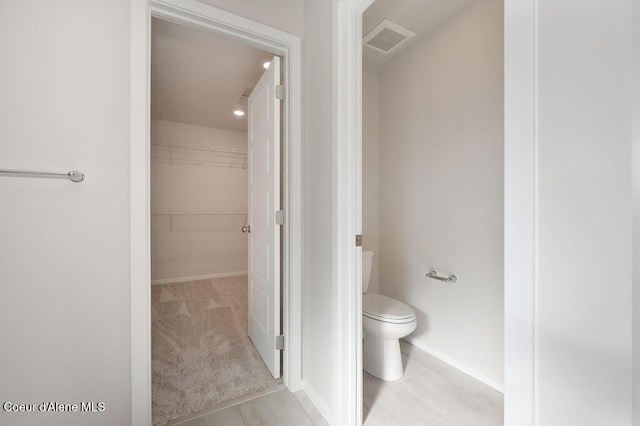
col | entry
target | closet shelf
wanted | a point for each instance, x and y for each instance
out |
(184, 222)
(198, 214)
(201, 155)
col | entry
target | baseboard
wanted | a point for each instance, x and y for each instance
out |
(492, 383)
(317, 401)
(198, 277)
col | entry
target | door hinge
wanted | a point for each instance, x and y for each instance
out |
(359, 240)
(280, 217)
(280, 92)
(280, 343)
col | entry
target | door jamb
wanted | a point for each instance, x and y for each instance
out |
(233, 27)
(520, 214)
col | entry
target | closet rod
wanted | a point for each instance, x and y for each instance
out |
(73, 176)
(198, 214)
(210, 148)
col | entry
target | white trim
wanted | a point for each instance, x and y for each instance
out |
(457, 365)
(347, 297)
(317, 401)
(635, 195)
(140, 216)
(359, 415)
(207, 18)
(347, 186)
(520, 211)
(198, 277)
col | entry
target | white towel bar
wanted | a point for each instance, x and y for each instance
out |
(73, 176)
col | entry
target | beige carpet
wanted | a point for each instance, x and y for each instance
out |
(201, 354)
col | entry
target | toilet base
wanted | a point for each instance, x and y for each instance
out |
(382, 358)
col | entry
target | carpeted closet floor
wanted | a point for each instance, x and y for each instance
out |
(201, 354)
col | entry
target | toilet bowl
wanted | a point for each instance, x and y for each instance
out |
(384, 322)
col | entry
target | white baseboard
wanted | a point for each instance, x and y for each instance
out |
(492, 383)
(198, 277)
(317, 401)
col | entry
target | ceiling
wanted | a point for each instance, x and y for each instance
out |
(420, 16)
(197, 77)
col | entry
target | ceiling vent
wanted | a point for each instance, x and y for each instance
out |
(387, 36)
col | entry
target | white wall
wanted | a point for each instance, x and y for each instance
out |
(441, 186)
(583, 317)
(198, 245)
(371, 167)
(285, 15)
(317, 200)
(64, 256)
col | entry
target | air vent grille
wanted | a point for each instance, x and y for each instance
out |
(387, 36)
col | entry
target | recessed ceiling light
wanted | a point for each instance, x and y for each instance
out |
(241, 106)
(266, 64)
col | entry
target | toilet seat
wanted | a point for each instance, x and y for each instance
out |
(386, 309)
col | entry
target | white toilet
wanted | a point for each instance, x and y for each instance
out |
(384, 322)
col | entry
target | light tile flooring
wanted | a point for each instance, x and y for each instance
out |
(431, 393)
(280, 408)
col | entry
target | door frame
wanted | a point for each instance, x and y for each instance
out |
(520, 211)
(236, 28)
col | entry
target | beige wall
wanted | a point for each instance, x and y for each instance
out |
(198, 245)
(317, 301)
(441, 186)
(64, 256)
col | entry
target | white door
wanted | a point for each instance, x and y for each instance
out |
(264, 201)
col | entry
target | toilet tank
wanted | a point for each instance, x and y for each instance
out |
(367, 261)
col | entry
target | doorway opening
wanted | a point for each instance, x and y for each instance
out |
(216, 314)
(287, 46)
(432, 212)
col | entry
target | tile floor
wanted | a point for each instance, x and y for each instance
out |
(280, 408)
(431, 393)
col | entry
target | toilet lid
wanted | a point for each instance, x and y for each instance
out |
(383, 308)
